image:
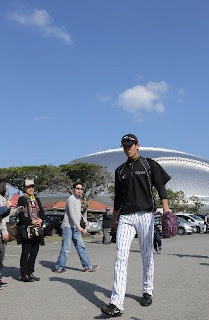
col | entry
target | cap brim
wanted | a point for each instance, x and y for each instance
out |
(128, 143)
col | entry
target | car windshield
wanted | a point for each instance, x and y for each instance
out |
(92, 220)
(196, 217)
(53, 218)
(181, 219)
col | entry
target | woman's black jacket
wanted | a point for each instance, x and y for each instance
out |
(26, 221)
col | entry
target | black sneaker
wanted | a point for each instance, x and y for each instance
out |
(31, 275)
(3, 284)
(111, 310)
(146, 300)
(26, 278)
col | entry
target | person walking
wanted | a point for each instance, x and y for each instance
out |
(33, 216)
(71, 230)
(157, 239)
(106, 224)
(134, 204)
(157, 243)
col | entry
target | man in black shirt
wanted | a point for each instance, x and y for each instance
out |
(133, 208)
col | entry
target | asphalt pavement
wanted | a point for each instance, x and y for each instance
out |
(181, 285)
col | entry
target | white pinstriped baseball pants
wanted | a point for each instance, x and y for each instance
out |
(128, 225)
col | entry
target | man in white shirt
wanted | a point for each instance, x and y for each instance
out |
(71, 230)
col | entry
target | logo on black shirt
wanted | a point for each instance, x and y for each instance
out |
(140, 172)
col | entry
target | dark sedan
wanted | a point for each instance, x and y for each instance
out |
(52, 224)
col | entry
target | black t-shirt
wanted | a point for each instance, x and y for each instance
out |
(133, 185)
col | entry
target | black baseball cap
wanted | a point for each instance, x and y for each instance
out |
(128, 140)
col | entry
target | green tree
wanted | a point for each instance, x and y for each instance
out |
(177, 201)
(95, 178)
(51, 178)
(196, 205)
(41, 175)
(111, 190)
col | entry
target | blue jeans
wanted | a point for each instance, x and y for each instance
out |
(68, 234)
(157, 240)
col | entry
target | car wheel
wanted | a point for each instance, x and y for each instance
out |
(198, 229)
(181, 231)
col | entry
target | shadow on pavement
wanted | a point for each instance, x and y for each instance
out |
(187, 255)
(11, 272)
(50, 265)
(88, 290)
(103, 316)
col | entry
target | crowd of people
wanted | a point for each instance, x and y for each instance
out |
(133, 213)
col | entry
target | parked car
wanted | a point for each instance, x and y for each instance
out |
(199, 223)
(52, 224)
(185, 227)
(201, 215)
(94, 226)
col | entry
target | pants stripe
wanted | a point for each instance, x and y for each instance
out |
(143, 224)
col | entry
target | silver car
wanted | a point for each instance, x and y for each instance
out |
(192, 218)
(185, 227)
(94, 226)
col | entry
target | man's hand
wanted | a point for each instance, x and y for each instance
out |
(5, 237)
(81, 230)
(9, 203)
(37, 222)
(165, 205)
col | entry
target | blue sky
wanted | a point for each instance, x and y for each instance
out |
(75, 75)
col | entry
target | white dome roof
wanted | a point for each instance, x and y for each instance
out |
(189, 173)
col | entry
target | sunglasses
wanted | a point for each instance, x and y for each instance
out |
(127, 138)
(79, 188)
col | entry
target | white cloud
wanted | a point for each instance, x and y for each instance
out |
(139, 76)
(103, 98)
(180, 95)
(181, 92)
(42, 118)
(44, 22)
(148, 97)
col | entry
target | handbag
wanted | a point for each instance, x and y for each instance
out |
(169, 225)
(12, 231)
(32, 232)
(82, 223)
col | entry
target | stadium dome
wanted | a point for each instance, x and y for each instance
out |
(189, 173)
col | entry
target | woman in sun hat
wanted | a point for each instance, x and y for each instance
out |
(33, 215)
